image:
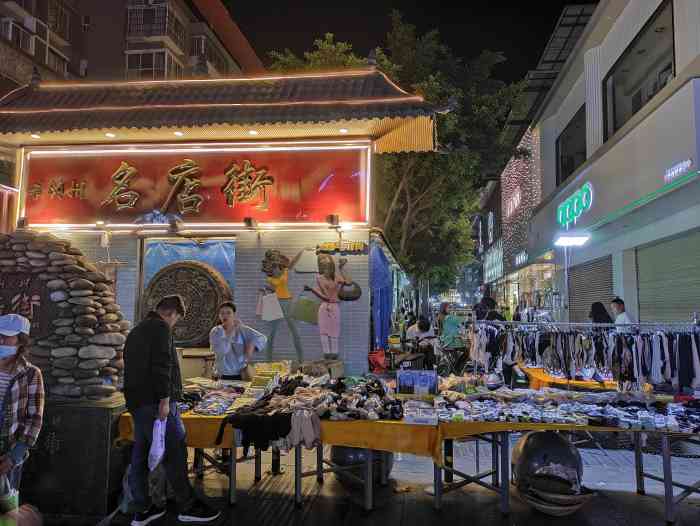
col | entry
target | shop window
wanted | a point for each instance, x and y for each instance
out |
(571, 146)
(645, 67)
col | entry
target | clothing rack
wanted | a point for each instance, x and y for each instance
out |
(671, 325)
(658, 352)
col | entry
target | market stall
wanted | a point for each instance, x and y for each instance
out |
(220, 188)
(210, 188)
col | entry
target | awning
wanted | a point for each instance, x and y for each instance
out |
(341, 104)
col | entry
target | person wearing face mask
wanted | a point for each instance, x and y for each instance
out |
(233, 344)
(152, 388)
(21, 397)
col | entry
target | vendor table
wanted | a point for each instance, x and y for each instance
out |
(383, 436)
(426, 441)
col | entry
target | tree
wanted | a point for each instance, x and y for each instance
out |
(425, 201)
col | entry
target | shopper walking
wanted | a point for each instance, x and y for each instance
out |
(21, 398)
(152, 388)
(599, 314)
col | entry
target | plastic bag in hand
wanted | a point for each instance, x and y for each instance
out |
(155, 454)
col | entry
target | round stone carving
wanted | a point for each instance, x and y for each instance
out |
(201, 287)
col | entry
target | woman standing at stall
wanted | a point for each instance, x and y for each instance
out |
(328, 285)
(233, 343)
(21, 398)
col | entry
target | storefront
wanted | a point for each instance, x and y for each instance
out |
(188, 187)
(642, 224)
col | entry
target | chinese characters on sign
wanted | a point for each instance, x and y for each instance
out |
(344, 247)
(218, 183)
(246, 184)
(185, 180)
(121, 195)
(57, 190)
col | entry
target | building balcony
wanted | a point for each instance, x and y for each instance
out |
(157, 23)
(201, 45)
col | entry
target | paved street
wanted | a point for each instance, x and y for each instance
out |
(404, 502)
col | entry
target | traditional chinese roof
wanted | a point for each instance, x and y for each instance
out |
(366, 99)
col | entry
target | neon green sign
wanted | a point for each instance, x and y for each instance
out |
(575, 206)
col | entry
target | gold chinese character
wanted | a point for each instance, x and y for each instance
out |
(77, 190)
(56, 188)
(121, 195)
(246, 183)
(185, 179)
(35, 191)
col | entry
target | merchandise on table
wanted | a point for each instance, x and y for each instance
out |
(290, 414)
(632, 411)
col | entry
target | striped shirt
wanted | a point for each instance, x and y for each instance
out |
(22, 407)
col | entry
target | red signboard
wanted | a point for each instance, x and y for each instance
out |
(206, 184)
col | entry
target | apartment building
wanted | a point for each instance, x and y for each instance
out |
(618, 163)
(120, 39)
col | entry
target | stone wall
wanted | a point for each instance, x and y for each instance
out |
(80, 336)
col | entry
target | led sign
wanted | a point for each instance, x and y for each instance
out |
(677, 170)
(575, 206)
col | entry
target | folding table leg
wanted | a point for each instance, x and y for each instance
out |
(383, 476)
(276, 461)
(232, 475)
(668, 479)
(476, 448)
(369, 468)
(639, 463)
(449, 459)
(494, 459)
(437, 481)
(505, 472)
(258, 465)
(297, 476)
(198, 463)
(319, 463)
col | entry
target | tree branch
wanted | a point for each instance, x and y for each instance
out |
(397, 194)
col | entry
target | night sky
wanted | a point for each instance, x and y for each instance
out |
(520, 29)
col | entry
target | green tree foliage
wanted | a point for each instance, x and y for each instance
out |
(425, 201)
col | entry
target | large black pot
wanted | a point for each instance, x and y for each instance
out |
(351, 456)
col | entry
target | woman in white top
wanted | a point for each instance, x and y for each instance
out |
(234, 343)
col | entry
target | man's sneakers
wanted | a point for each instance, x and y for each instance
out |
(199, 513)
(147, 517)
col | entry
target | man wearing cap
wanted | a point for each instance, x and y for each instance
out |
(21, 398)
(152, 388)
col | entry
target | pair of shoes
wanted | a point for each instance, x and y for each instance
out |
(198, 513)
(148, 516)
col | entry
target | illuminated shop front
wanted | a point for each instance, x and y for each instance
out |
(209, 181)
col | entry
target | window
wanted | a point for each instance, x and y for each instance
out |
(146, 66)
(15, 33)
(571, 146)
(156, 21)
(59, 19)
(57, 63)
(645, 67)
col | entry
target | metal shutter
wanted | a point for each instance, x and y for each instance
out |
(589, 282)
(668, 277)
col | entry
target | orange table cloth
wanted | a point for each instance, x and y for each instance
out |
(383, 435)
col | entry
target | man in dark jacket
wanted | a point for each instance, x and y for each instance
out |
(152, 387)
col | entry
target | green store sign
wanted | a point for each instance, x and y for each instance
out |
(575, 206)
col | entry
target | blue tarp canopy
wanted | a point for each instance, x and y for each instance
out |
(381, 284)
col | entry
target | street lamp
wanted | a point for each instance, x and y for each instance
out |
(568, 240)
